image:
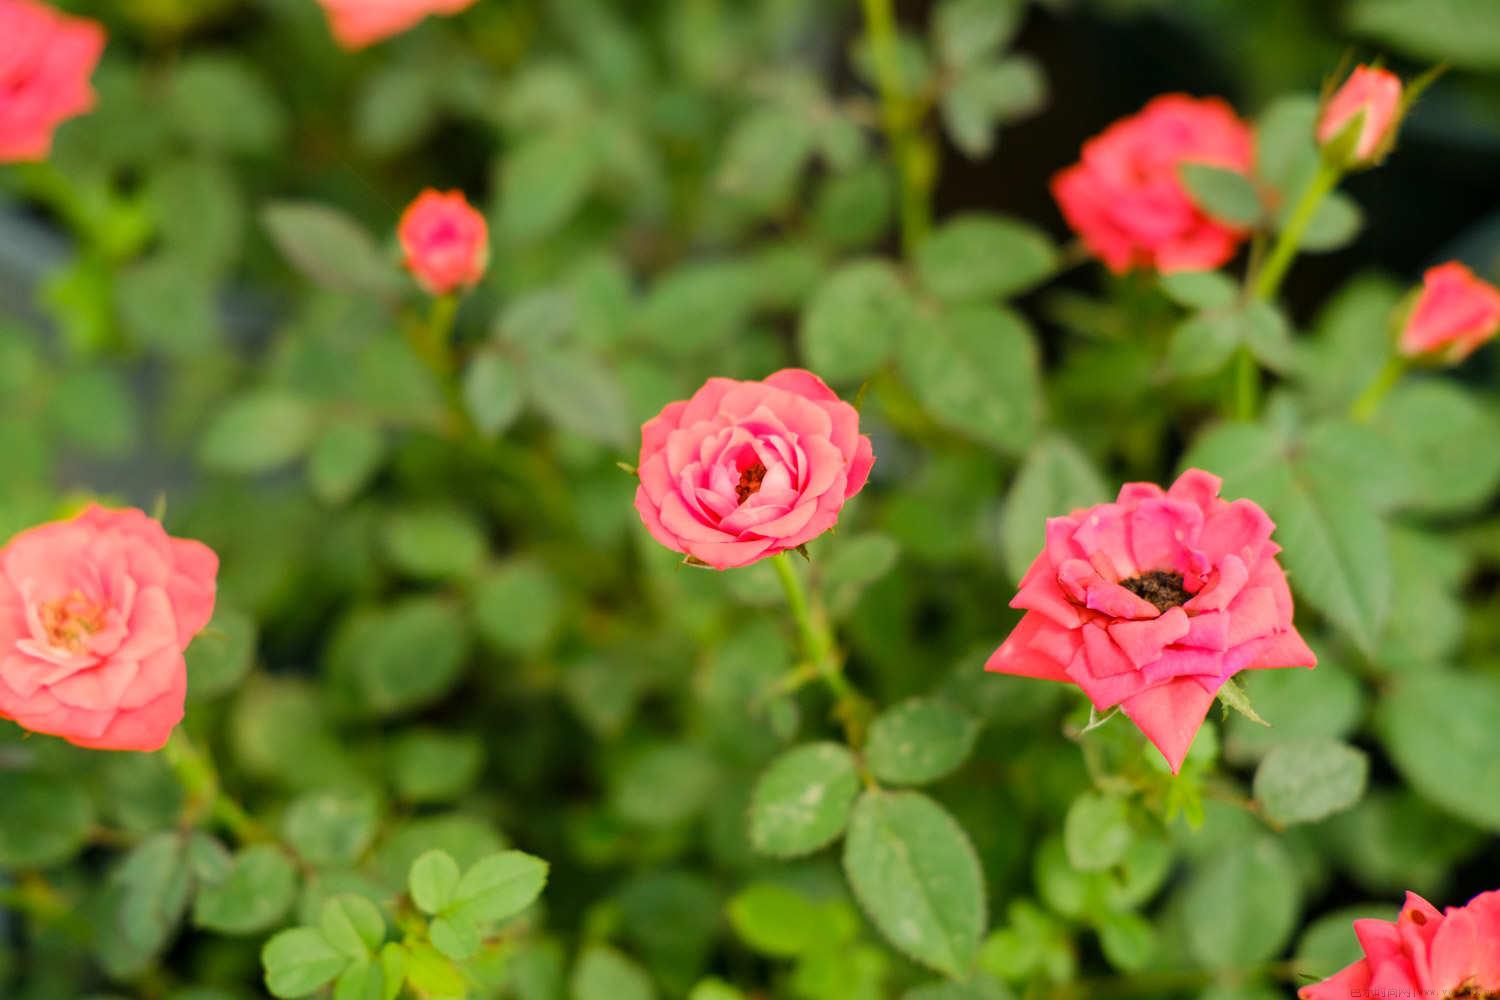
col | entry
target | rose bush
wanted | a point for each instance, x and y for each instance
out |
(594, 449)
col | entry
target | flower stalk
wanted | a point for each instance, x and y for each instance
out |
(1369, 400)
(820, 652)
(915, 159)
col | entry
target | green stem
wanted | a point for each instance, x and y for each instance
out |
(1268, 280)
(195, 772)
(915, 157)
(1246, 385)
(1369, 401)
(819, 649)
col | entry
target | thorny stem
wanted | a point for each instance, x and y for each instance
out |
(916, 160)
(195, 772)
(819, 650)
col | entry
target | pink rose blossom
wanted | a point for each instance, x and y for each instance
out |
(445, 241)
(749, 469)
(358, 23)
(1373, 92)
(1453, 315)
(46, 59)
(1152, 602)
(1126, 200)
(95, 613)
(1423, 953)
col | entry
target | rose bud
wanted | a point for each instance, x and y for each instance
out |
(1124, 197)
(1453, 315)
(1423, 953)
(95, 613)
(1152, 602)
(445, 241)
(46, 59)
(744, 470)
(1372, 95)
(358, 23)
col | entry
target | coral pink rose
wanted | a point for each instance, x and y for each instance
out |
(1152, 602)
(1374, 93)
(46, 59)
(446, 242)
(1423, 953)
(1126, 200)
(95, 613)
(749, 469)
(357, 23)
(1453, 315)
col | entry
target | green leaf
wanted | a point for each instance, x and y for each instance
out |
(989, 94)
(299, 962)
(1227, 195)
(975, 370)
(854, 319)
(257, 432)
(1285, 150)
(1310, 780)
(664, 785)
(1055, 479)
(764, 156)
(435, 765)
(344, 459)
(222, 654)
(1096, 832)
(401, 658)
(517, 607)
(1203, 344)
(498, 887)
(602, 973)
(915, 873)
(698, 306)
(802, 801)
(854, 209)
(920, 740)
(155, 884)
(44, 820)
(433, 975)
(1464, 33)
(222, 104)
(94, 409)
(331, 827)
(1334, 225)
(1241, 905)
(1439, 728)
(966, 30)
(1444, 436)
(1127, 938)
(353, 925)
(493, 393)
(256, 893)
(544, 182)
(777, 921)
(1298, 704)
(579, 394)
(361, 981)
(433, 880)
(1200, 289)
(435, 543)
(982, 257)
(331, 250)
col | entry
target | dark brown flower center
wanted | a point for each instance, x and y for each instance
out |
(1161, 588)
(750, 481)
(1470, 992)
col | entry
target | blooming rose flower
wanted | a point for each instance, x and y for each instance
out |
(1152, 602)
(1374, 93)
(1423, 953)
(1126, 201)
(46, 59)
(357, 23)
(749, 469)
(446, 242)
(1453, 315)
(95, 613)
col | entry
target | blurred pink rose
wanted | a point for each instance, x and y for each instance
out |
(46, 59)
(445, 241)
(1423, 953)
(1152, 602)
(749, 469)
(95, 613)
(357, 23)
(1373, 92)
(1125, 199)
(1454, 314)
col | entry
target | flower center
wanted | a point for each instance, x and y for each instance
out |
(750, 480)
(1471, 992)
(69, 621)
(1161, 588)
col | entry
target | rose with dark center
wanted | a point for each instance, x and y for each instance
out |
(1152, 602)
(1454, 954)
(744, 470)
